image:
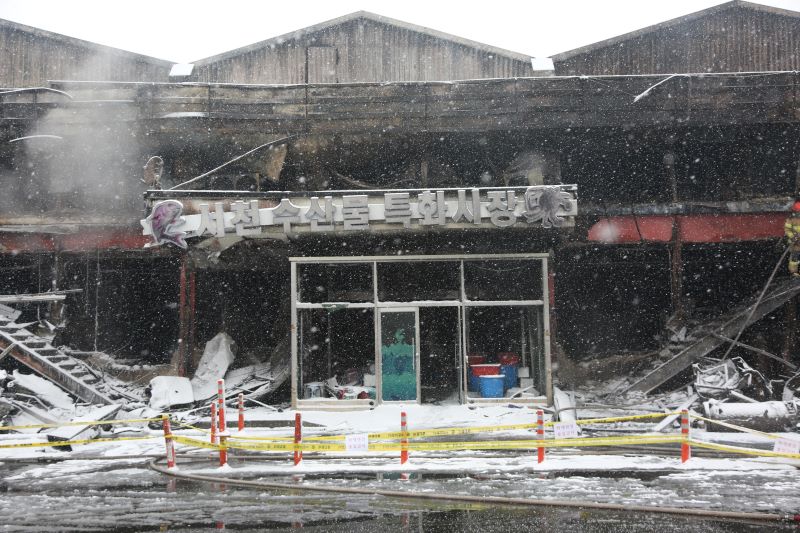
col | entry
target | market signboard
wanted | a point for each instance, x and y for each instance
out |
(541, 206)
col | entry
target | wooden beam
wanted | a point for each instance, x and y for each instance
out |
(459, 106)
(55, 296)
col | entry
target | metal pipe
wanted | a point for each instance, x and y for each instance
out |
(496, 500)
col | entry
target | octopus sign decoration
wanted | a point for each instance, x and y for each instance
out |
(545, 204)
(163, 223)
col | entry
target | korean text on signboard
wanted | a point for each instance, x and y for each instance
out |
(544, 206)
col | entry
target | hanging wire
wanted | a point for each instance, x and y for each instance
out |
(758, 302)
(238, 157)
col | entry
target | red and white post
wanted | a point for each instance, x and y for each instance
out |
(540, 435)
(223, 428)
(168, 442)
(298, 438)
(686, 449)
(213, 423)
(221, 406)
(404, 438)
(241, 412)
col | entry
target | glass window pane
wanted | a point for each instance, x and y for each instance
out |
(334, 282)
(503, 280)
(410, 281)
(399, 355)
(336, 353)
(511, 336)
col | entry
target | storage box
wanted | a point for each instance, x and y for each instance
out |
(525, 382)
(524, 372)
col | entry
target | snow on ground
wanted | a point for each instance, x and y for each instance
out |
(96, 481)
(387, 418)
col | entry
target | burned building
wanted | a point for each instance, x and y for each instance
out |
(343, 216)
(361, 47)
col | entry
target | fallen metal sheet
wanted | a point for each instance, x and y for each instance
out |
(169, 391)
(40, 415)
(88, 431)
(9, 312)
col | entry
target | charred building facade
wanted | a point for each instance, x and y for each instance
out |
(391, 213)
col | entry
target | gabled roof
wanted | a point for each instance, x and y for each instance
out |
(674, 22)
(366, 15)
(72, 41)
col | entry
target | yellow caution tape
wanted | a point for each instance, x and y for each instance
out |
(289, 447)
(620, 418)
(737, 428)
(78, 423)
(463, 445)
(528, 444)
(441, 432)
(745, 451)
(446, 432)
(70, 442)
(194, 442)
(268, 438)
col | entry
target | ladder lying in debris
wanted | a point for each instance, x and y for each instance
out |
(703, 339)
(38, 354)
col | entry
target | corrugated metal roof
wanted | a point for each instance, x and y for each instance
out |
(674, 22)
(366, 15)
(72, 41)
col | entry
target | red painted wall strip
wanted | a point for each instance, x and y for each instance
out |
(693, 228)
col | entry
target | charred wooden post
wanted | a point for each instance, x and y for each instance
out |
(789, 330)
(676, 261)
(186, 303)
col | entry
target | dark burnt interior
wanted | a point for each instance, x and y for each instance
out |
(609, 298)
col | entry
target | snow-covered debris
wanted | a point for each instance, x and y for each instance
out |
(88, 431)
(753, 413)
(168, 391)
(217, 357)
(44, 389)
(10, 312)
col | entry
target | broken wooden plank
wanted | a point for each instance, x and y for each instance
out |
(54, 296)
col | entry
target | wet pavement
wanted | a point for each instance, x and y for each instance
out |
(126, 496)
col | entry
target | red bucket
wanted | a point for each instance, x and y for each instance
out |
(508, 358)
(485, 370)
(476, 359)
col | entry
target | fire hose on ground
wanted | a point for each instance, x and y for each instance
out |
(495, 500)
